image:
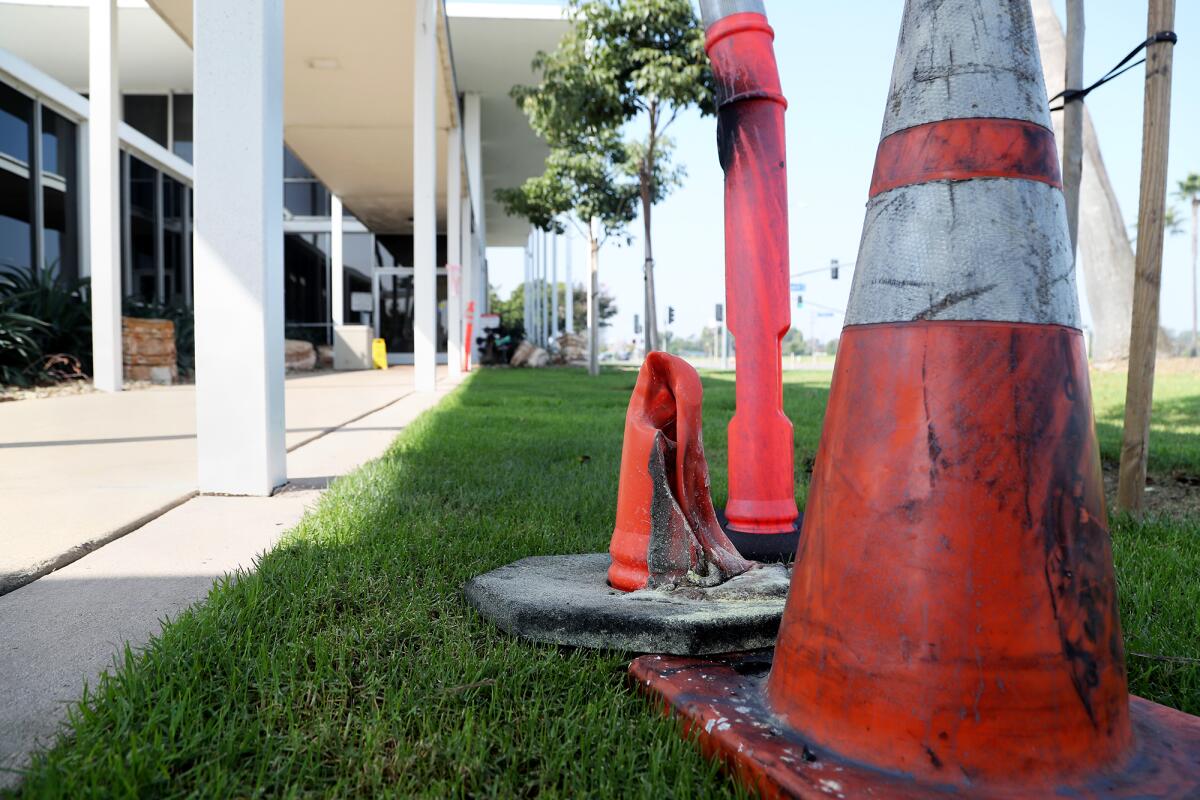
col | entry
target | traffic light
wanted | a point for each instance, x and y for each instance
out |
(720, 312)
(833, 268)
(670, 314)
(637, 324)
(799, 301)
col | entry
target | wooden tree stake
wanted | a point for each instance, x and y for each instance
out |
(1073, 120)
(1156, 119)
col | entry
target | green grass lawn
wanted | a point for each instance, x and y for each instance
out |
(1174, 421)
(349, 663)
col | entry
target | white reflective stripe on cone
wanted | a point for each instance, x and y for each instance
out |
(713, 10)
(966, 58)
(985, 249)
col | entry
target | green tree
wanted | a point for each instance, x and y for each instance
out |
(512, 310)
(1189, 191)
(793, 343)
(622, 62)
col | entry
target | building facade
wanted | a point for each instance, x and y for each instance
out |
(283, 169)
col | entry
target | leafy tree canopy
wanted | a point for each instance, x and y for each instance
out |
(512, 310)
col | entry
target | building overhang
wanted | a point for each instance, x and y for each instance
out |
(348, 86)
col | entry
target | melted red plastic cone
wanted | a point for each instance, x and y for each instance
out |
(667, 530)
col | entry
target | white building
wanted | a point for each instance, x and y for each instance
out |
(278, 166)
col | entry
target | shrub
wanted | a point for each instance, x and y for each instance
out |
(45, 328)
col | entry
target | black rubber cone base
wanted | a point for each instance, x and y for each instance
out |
(566, 600)
(765, 547)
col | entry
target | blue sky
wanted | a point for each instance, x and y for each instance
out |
(835, 62)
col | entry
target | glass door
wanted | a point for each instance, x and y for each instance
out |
(392, 300)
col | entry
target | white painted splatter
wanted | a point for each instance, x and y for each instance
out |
(830, 786)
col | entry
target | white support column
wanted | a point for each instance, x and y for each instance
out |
(337, 263)
(537, 287)
(37, 196)
(544, 287)
(454, 265)
(528, 287)
(473, 156)
(124, 171)
(425, 62)
(238, 49)
(569, 294)
(480, 277)
(554, 286)
(83, 199)
(466, 248)
(539, 290)
(186, 241)
(160, 255)
(104, 222)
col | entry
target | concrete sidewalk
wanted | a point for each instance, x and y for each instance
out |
(80, 470)
(67, 627)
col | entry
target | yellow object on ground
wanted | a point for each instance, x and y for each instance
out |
(379, 353)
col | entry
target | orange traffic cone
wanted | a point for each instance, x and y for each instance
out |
(952, 623)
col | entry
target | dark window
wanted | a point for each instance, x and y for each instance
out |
(357, 260)
(60, 198)
(396, 312)
(393, 250)
(303, 194)
(396, 250)
(141, 231)
(141, 185)
(305, 290)
(174, 274)
(305, 199)
(294, 167)
(16, 222)
(148, 114)
(16, 112)
(16, 202)
(183, 126)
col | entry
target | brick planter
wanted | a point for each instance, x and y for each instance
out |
(148, 350)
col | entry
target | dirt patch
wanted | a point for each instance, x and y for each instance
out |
(1175, 494)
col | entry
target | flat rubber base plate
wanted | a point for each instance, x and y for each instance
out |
(566, 600)
(765, 547)
(722, 700)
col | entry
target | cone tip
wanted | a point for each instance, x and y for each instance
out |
(966, 58)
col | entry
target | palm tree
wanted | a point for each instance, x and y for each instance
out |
(1189, 190)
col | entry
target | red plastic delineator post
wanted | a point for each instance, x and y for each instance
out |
(666, 525)
(467, 343)
(750, 137)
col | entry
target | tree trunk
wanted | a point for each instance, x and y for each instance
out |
(648, 270)
(1105, 255)
(593, 292)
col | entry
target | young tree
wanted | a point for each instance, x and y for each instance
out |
(1189, 191)
(512, 310)
(625, 61)
(580, 183)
